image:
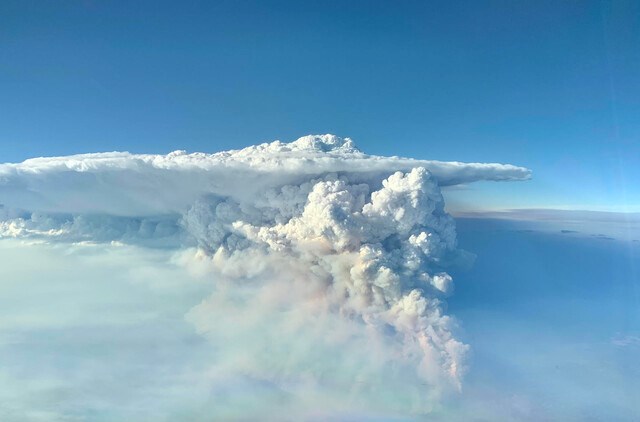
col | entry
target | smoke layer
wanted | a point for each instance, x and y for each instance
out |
(327, 266)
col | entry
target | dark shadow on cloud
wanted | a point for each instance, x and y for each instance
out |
(602, 237)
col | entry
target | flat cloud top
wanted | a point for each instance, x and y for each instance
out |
(125, 184)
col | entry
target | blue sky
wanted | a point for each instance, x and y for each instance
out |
(548, 85)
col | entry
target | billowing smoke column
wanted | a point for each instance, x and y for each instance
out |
(334, 249)
(328, 265)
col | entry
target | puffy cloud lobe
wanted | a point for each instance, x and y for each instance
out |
(358, 258)
(329, 265)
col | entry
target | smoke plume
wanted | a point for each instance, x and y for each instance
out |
(328, 267)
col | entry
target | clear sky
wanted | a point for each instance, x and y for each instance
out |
(551, 85)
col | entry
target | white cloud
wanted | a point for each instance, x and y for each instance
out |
(600, 225)
(626, 340)
(125, 184)
(327, 266)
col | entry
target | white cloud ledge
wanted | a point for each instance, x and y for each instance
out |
(124, 184)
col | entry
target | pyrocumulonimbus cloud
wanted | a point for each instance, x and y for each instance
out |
(328, 266)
